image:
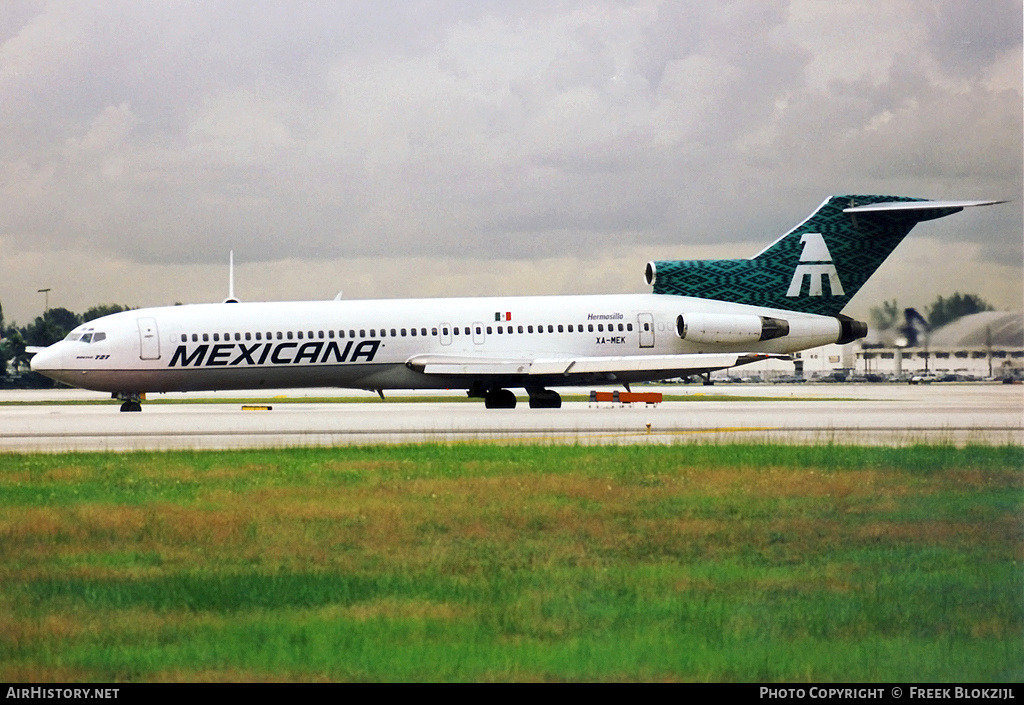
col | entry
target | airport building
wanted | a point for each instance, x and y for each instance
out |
(988, 344)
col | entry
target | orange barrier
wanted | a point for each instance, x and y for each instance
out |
(616, 397)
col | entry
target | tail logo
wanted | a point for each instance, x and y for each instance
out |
(816, 251)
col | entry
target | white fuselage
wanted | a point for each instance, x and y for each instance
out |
(373, 344)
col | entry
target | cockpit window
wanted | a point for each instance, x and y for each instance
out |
(85, 337)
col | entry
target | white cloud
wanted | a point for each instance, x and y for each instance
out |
(162, 135)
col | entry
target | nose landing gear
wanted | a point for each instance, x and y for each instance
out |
(132, 400)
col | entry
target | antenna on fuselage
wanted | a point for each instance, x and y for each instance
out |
(231, 279)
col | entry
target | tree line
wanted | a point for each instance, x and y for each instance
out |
(943, 310)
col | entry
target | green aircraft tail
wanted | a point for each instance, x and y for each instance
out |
(815, 268)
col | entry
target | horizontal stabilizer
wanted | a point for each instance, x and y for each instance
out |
(681, 364)
(918, 206)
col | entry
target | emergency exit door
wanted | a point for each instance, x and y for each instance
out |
(645, 322)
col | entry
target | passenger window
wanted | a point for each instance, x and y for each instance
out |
(433, 332)
(362, 332)
(320, 334)
(403, 332)
(478, 331)
(488, 330)
(330, 334)
(560, 328)
(590, 327)
(393, 333)
(383, 333)
(551, 328)
(216, 337)
(351, 334)
(529, 328)
(467, 330)
(647, 326)
(423, 332)
(259, 336)
(520, 329)
(570, 327)
(195, 338)
(629, 326)
(184, 338)
(299, 334)
(373, 332)
(206, 337)
(248, 336)
(341, 333)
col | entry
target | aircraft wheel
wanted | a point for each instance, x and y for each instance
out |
(545, 399)
(500, 399)
(131, 406)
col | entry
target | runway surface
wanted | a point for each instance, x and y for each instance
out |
(859, 414)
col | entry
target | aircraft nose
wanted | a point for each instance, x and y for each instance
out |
(49, 359)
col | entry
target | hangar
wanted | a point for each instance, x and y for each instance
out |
(987, 344)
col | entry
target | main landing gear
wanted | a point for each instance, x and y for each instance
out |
(499, 399)
(544, 399)
(132, 401)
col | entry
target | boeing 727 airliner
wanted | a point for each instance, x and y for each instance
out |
(703, 315)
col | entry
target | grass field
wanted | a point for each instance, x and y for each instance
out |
(489, 562)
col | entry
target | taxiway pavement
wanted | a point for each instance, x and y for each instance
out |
(859, 414)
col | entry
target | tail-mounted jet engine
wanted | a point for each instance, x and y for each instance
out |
(850, 329)
(727, 329)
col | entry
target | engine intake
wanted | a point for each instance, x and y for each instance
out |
(726, 329)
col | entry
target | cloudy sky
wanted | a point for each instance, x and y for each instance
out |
(430, 148)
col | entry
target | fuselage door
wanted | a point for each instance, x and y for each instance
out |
(446, 333)
(478, 334)
(149, 339)
(645, 322)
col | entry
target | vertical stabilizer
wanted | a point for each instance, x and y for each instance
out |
(818, 266)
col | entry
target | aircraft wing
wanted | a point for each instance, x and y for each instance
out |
(681, 364)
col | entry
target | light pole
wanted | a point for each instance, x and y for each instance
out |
(46, 293)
